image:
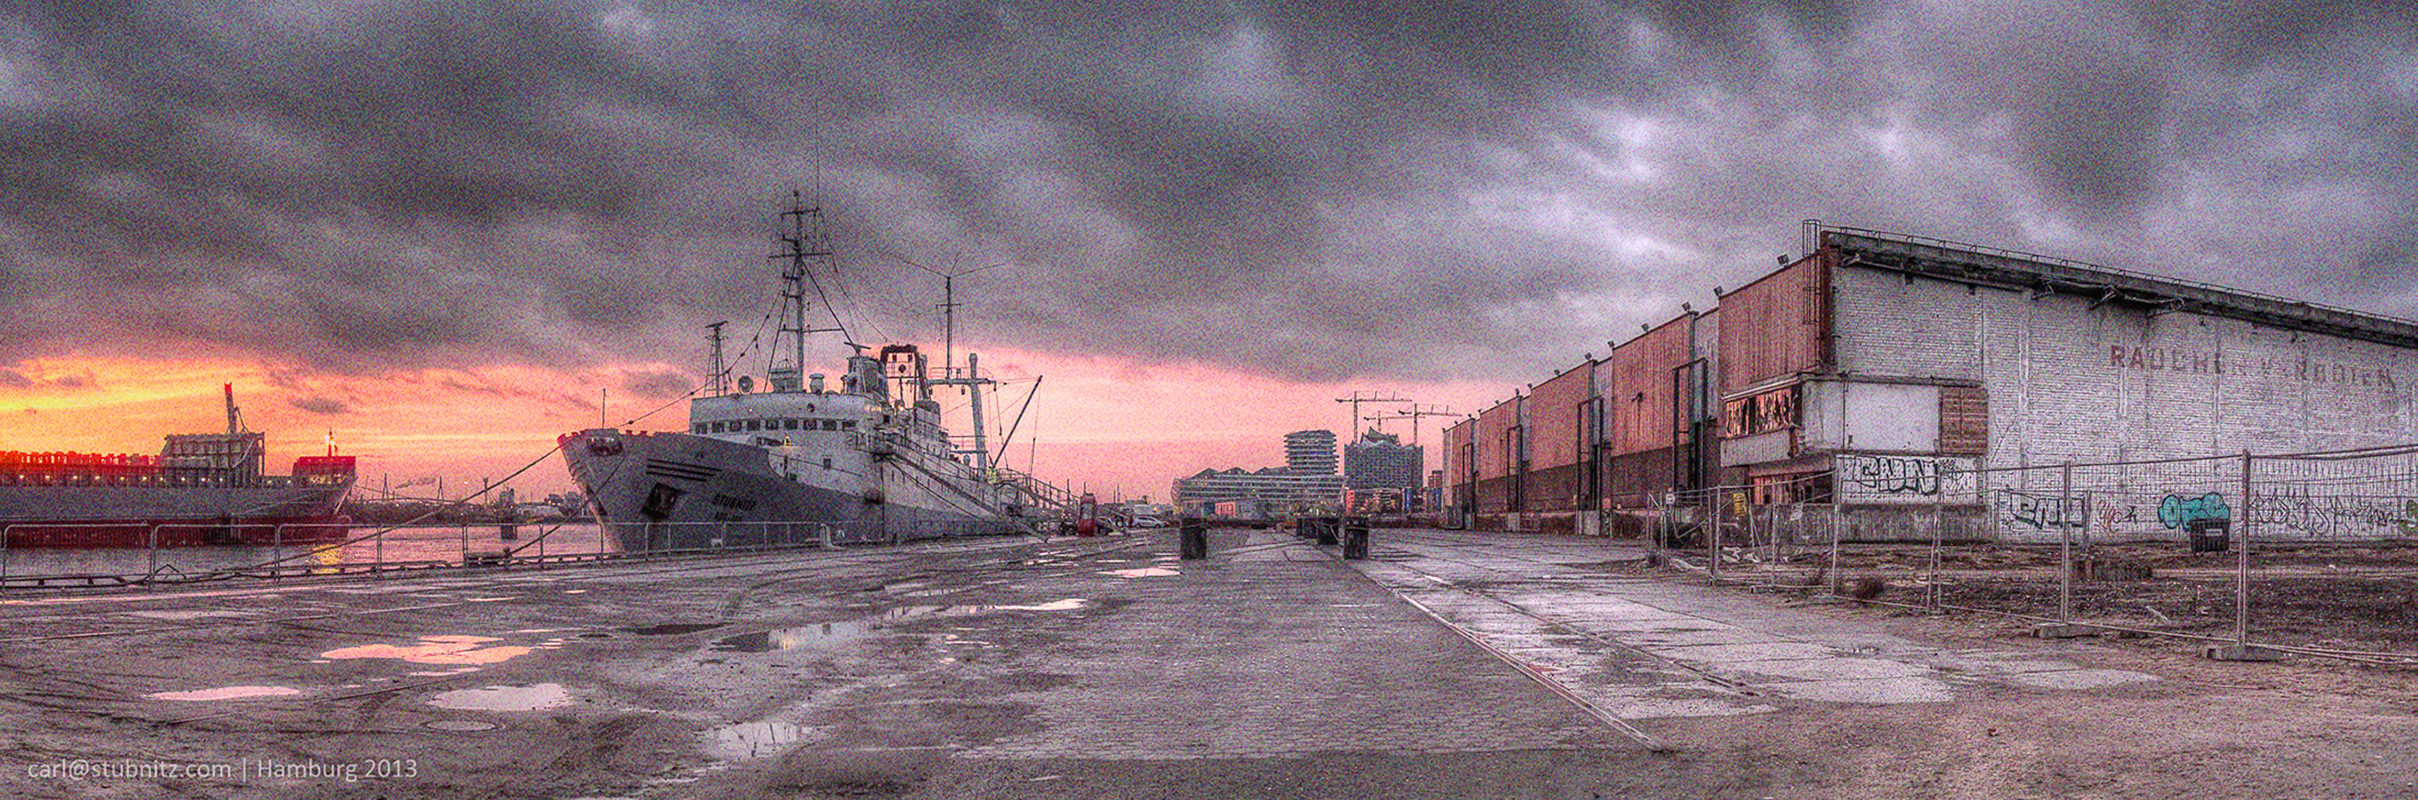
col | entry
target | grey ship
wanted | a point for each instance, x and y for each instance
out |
(867, 460)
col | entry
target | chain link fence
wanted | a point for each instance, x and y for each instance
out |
(2311, 553)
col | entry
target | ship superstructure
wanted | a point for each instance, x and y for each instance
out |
(202, 488)
(864, 457)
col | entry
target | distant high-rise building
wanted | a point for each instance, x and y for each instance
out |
(1308, 479)
(1380, 461)
(1310, 452)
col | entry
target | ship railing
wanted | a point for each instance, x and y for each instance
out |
(38, 555)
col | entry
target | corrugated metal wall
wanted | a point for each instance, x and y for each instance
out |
(1776, 326)
(1557, 440)
(1496, 456)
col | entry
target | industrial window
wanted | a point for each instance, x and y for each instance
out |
(790, 424)
(826, 462)
(847, 424)
(831, 424)
(755, 424)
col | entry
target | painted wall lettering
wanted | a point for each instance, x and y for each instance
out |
(2177, 511)
(2165, 358)
(1863, 479)
(2040, 512)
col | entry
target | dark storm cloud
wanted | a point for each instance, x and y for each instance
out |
(323, 406)
(1315, 190)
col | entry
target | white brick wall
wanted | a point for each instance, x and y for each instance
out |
(2064, 385)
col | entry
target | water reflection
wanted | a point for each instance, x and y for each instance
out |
(227, 693)
(827, 632)
(434, 650)
(757, 739)
(504, 698)
(422, 545)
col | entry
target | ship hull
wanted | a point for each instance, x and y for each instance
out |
(171, 516)
(672, 491)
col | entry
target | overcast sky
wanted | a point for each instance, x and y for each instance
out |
(1314, 192)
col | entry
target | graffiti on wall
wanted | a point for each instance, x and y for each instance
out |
(2040, 512)
(2177, 511)
(1759, 413)
(2296, 512)
(1904, 479)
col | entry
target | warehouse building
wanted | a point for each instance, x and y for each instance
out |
(1884, 371)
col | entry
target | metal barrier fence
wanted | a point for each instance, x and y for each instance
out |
(165, 553)
(2256, 555)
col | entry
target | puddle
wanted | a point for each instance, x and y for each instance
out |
(793, 638)
(805, 635)
(459, 725)
(434, 650)
(594, 635)
(487, 599)
(575, 591)
(674, 628)
(758, 739)
(227, 693)
(1068, 604)
(504, 698)
(1143, 572)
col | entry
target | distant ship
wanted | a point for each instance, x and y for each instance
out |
(202, 489)
(867, 460)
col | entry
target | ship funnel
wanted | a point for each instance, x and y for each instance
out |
(814, 383)
(866, 372)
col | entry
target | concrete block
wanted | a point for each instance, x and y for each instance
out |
(2062, 630)
(2241, 652)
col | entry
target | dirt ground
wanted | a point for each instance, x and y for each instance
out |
(2361, 599)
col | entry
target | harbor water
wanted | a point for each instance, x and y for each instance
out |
(366, 549)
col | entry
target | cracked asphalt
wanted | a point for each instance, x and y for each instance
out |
(1451, 664)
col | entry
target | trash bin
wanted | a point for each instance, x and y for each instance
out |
(1329, 530)
(1356, 538)
(2211, 535)
(1195, 539)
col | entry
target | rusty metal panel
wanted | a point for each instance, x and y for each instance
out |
(1557, 416)
(1639, 394)
(1775, 326)
(1964, 420)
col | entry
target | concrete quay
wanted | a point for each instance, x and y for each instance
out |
(1450, 664)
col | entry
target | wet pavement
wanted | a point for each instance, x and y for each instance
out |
(1450, 664)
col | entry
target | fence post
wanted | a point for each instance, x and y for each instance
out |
(2242, 649)
(1836, 533)
(378, 542)
(2065, 545)
(6, 531)
(2241, 564)
(1713, 536)
(277, 552)
(154, 555)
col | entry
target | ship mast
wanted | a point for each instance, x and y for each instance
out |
(806, 239)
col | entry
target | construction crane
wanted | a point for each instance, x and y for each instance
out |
(1413, 414)
(1367, 396)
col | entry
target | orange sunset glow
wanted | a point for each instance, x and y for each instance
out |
(1115, 427)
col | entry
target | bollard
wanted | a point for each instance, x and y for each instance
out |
(1356, 539)
(1195, 539)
